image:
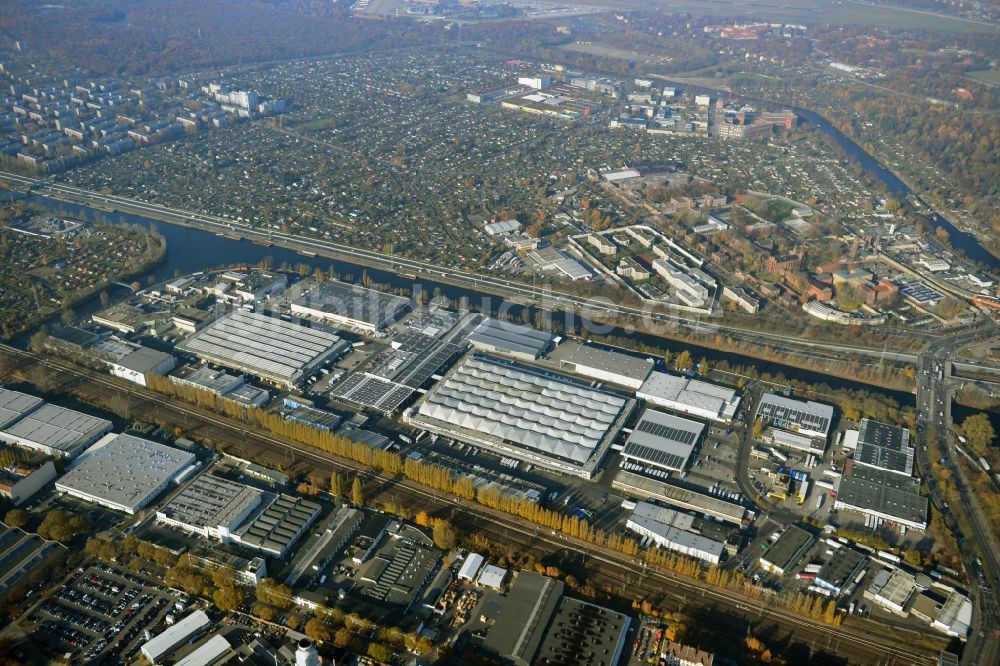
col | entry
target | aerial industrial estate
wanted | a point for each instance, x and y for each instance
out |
(608, 436)
(507, 334)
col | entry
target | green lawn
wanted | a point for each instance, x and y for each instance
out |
(315, 124)
(988, 76)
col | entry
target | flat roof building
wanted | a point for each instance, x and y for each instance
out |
(205, 378)
(71, 337)
(401, 569)
(583, 634)
(884, 446)
(54, 430)
(662, 440)
(174, 636)
(955, 615)
(608, 366)
(350, 305)
(787, 550)
(211, 507)
(788, 440)
(802, 416)
(883, 494)
(891, 589)
(125, 473)
(839, 571)
(683, 498)
(267, 347)
(276, 529)
(314, 555)
(679, 532)
(520, 625)
(502, 337)
(15, 405)
(143, 361)
(690, 396)
(536, 416)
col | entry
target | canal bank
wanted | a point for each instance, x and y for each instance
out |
(190, 249)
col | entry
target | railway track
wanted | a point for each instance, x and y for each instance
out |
(628, 577)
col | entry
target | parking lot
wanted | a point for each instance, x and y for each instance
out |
(99, 614)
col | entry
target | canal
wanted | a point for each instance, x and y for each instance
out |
(190, 250)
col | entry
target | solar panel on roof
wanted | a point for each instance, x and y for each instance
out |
(659, 430)
(654, 456)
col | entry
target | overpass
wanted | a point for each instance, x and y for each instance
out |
(979, 549)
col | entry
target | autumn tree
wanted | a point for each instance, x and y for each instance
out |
(444, 534)
(343, 638)
(264, 612)
(272, 592)
(357, 492)
(16, 518)
(978, 432)
(62, 526)
(337, 484)
(228, 598)
(317, 630)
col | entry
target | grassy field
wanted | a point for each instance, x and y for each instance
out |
(604, 51)
(315, 124)
(839, 12)
(988, 76)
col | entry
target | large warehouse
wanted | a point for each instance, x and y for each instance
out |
(15, 405)
(662, 440)
(539, 417)
(639, 486)
(266, 347)
(48, 428)
(690, 396)
(126, 473)
(216, 508)
(349, 305)
(211, 507)
(786, 552)
(502, 337)
(536, 624)
(607, 366)
(679, 532)
(804, 417)
(884, 446)
(882, 494)
(276, 529)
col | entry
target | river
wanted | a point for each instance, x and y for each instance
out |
(190, 250)
(959, 239)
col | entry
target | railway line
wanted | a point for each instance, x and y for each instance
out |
(542, 296)
(625, 576)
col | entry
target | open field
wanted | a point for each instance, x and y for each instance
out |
(604, 51)
(804, 11)
(990, 77)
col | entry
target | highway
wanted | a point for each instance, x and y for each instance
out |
(543, 296)
(979, 548)
(624, 575)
